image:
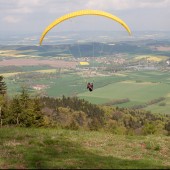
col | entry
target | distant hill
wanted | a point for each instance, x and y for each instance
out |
(97, 49)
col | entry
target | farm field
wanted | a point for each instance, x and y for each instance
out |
(138, 94)
(139, 88)
(36, 62)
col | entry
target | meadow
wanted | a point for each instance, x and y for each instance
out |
(138, 87)
(24, 148)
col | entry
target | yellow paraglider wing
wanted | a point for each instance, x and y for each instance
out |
(84, 63)
(80, 13)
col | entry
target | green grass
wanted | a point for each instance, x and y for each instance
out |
(139, 87)
(67, 85)
(160, 109)
(56, 148)
(139, 92)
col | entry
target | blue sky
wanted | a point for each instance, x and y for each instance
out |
(23, 16)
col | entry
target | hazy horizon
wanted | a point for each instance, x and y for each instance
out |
(70, 37)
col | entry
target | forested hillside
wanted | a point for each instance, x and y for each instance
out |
(72, 113)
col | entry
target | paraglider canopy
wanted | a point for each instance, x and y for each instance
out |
(80, 13)
(84, 63)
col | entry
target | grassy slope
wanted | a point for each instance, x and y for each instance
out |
(54, 148)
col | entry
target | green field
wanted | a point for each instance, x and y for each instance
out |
(139, 87)
(137, 92)
(30, 148)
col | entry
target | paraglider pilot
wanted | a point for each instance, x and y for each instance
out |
(90, 86)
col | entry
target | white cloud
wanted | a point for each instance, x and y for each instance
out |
(56, 6)
(140, 14)
(30, 3)
(21, 10)
(20, 6)
(64, 6)
(112, 4)
(11, 19)
(126, 4)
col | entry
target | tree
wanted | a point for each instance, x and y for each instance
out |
(36, 107)
(16, 111)
(149, 128)
(26, 111)
(24, 98)
(3, 86)
(3, 109)
(3, 89)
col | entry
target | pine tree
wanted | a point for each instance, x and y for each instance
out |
(16, 111)
(24, 97)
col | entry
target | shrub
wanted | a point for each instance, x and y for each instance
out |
(162, 104)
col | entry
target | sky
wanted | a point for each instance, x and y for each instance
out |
(31, 16)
